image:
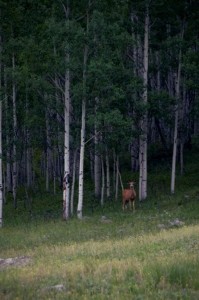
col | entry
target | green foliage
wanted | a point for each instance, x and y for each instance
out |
(161, 105)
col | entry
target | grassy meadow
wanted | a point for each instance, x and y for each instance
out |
(110, 254)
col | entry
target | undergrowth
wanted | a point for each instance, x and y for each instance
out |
(110, 254)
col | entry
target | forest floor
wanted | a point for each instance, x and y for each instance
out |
(151, 253)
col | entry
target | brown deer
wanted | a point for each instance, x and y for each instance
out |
(128, 196)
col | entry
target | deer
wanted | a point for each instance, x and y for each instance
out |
(128, 196)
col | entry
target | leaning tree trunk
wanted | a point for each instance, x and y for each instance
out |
(175, 138)
(175, 141)
(143, 136)
(82, 142)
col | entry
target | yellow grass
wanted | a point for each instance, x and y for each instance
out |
(143, 266)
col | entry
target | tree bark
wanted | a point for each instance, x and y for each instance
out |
(143, 136)
(175, 138)
(82, 142)
(73, 182)
(66, 192)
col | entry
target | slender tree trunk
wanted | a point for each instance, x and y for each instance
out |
(59, 138)
(66, 192)
(175, 145)
(97, 166)
(14, 176)
(73, 182)
(117, 177)
(103, 182)
(54, 161)
(175, 140)
(82, 142)
(143, 137)
(135, 143)
(184, 130)
(8, 156)
(114, 170)
(4, 186)
(107, 175)
(27, 150)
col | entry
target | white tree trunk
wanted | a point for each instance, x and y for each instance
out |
(14, 175)
(82, 142)
(81, 162)
(175, 145)
(143, 137)
(66, 190)
(175, 139)
(73, 182)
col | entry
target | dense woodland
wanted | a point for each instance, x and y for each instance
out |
(89, 88)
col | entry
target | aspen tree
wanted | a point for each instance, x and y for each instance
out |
(177, 77)
(66, 184)
(83, 122)
(73, 181)
(66, 192)
(82, 141)
(143, 136)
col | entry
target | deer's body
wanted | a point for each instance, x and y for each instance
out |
(128, 196)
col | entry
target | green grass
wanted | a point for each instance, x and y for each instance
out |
(126, 256)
